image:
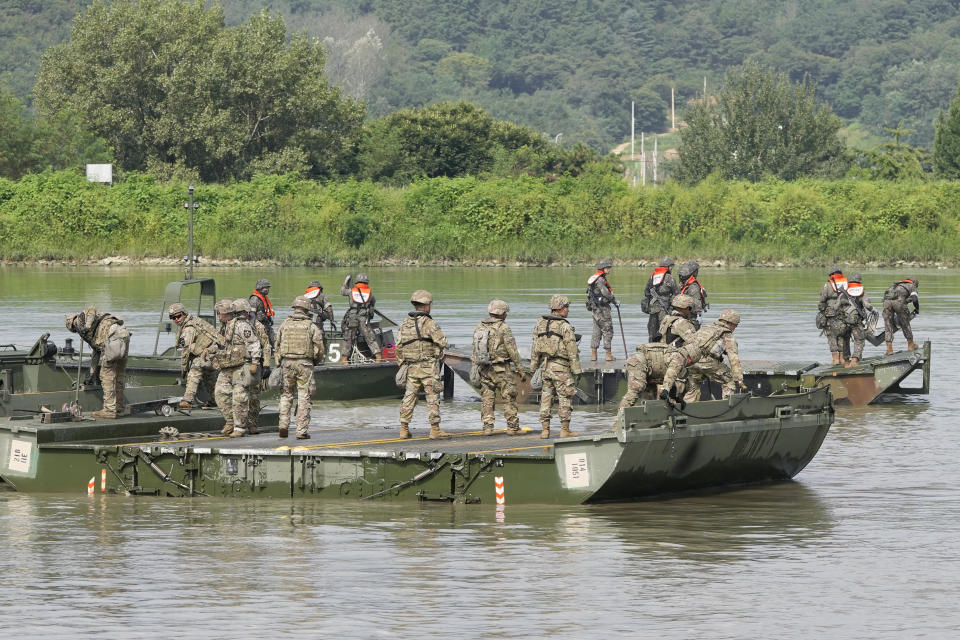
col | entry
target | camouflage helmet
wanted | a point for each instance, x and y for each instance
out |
(730, 316)
(241, 305)
(300, 302)
(605, 263)
(497, 308)
(855, 277)
(420, 296)
(262, 283)
(315, 283)
(835, 269)
(558, 302)
(176, 309)
(224, 306)
(914, 279)
(666, 262)
(682, 301)
(364, 278)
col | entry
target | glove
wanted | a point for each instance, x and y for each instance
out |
(346, 281)
(266, 372)
(88, 380)
(739, 385)
(253, 368)
(616, 303)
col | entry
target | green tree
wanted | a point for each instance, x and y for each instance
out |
(759, 124)
(946, 142)
(166, 83)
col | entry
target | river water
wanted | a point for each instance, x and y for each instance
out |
(862, 544)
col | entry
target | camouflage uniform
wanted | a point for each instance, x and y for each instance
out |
(195, 336)
(299, 346)
(321, 310)
(646, 366)
(689, 285)
(852, 312)
(828, 305)
(599, 298)
(895, 312)
(238, 363)
(420, 345)
(499, 373)
(658, 296)
(262, 308)
(703, 355)
(677, 330)
(253, 416)
(555, 347)
(94, 328)
(356, 321)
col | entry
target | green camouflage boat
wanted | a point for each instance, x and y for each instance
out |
(652, 449)
(606, 382)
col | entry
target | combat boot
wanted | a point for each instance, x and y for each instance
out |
(544, 429)
(238, 433)
(514, 431)
(253, 430)
(103, 413)
(853, 362)
(283, 432)
(436, 433)
(488, 430)
(610, 355)
(227, 429)
(836, 357)
(889, 348)
(565, 430)
(593, 355)
(912, 345)
(185, 405)
(379, 357)
(405, 432)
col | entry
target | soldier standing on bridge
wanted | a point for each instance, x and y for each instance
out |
(299, 347)
(195, 336)
(660, 289)
(555, 349)
(599, 298)
(498, 361)
(895, 313)
(420, 345)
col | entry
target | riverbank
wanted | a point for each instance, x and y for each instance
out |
(279, 220)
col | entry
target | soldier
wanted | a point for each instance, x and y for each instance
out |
(677, 328)
(660, 289)
(260, 302)
(495, 353)
(238, 362)
(320, 307)
(356, 321)
(599, 298)
(420, 345)
(243, 310)
(195, 336)
(827, 318)
(110, 341)
(646, 366)
(690, 286)
(895, 313)
(703, 355)
(555, 348)
(853, 311)
(299, 347)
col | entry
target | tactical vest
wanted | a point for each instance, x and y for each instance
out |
(594, 299)
(412, 344)
(666, 334)
(231, 355)
(893, 292)
(295, 339)
(703, 292)
(706, 340)
(489, 344)
(655, 353)
(549, 341)
(205, 334)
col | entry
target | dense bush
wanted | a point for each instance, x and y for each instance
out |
(60, 215)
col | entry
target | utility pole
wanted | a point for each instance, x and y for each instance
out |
(190, 206)
(654, 159)
(633, 157)
(673, 112)
(643, 163)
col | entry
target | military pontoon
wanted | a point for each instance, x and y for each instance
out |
(652, 449)
(606, 382)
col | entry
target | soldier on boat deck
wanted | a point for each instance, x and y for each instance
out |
(895, 313)
(110, 341)
(555, 349)
(599, 298)
(827, 318)
(660, 289)
(356, 321)
(260, 302)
